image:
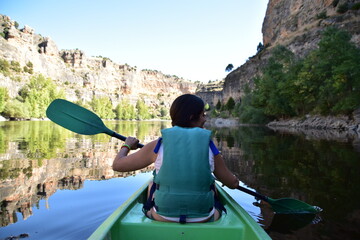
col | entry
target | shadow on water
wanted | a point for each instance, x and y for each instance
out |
(319, 170)
(288, 223)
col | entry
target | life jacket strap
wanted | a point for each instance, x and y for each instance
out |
(149, 202)
(217, 203)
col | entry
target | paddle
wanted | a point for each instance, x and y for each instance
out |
(78, 119)
(284, 205)
(81, 120)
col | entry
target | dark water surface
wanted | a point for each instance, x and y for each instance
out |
(55, 184)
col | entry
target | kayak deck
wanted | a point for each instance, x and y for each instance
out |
(129, 222)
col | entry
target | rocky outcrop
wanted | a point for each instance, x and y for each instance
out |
(236, 81)
(212, 97)
(223, 122)
(298, 24)
(84, 77)
(342, 123)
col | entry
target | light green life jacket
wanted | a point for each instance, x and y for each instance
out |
(184, 180)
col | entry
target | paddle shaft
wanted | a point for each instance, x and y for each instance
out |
(257, 195)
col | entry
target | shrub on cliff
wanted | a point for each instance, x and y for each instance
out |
(29, 68)
(343, 8)
(15, 66)
(4, 67)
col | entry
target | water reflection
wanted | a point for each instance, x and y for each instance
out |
(39, 158)
(319, 171)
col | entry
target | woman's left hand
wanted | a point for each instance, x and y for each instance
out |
(132, 142)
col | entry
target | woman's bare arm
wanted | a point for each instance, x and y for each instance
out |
(223, 174)
(135, 161)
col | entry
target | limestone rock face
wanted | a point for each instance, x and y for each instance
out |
(82, 76)
(299, 23)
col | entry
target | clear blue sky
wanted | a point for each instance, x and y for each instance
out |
(193, 39)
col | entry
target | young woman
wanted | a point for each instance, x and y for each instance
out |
(185, 158)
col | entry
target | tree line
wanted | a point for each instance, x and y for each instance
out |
(34, 98)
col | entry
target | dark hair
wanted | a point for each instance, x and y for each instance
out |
(185, 109)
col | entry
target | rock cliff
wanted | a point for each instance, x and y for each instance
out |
(82, 76)
(296, 24)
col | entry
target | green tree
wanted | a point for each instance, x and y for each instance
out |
(125, 111)
(16, 109)
(248, 113)
(271, 90)
(38, 94)
(142, 110)
(331, 74)
(230, 104)
(103, 107)
(260, 47)
(229, 67)
(164, 112)
(218, 105)
(207, 107)
(4, 97)
(326, 81)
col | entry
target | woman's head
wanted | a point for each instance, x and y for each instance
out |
(187, 111)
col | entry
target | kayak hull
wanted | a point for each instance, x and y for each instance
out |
(129, 222)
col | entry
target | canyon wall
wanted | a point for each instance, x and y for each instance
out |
(84, 77)
(295, 24)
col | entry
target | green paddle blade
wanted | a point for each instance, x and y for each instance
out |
(78, 119)
(291, 206)
(284, 205)
(75, 118)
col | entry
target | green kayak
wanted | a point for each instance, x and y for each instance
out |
(129, 222)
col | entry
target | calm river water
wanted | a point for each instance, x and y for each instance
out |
(55, 184)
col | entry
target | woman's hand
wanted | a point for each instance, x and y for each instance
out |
(132, 142)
